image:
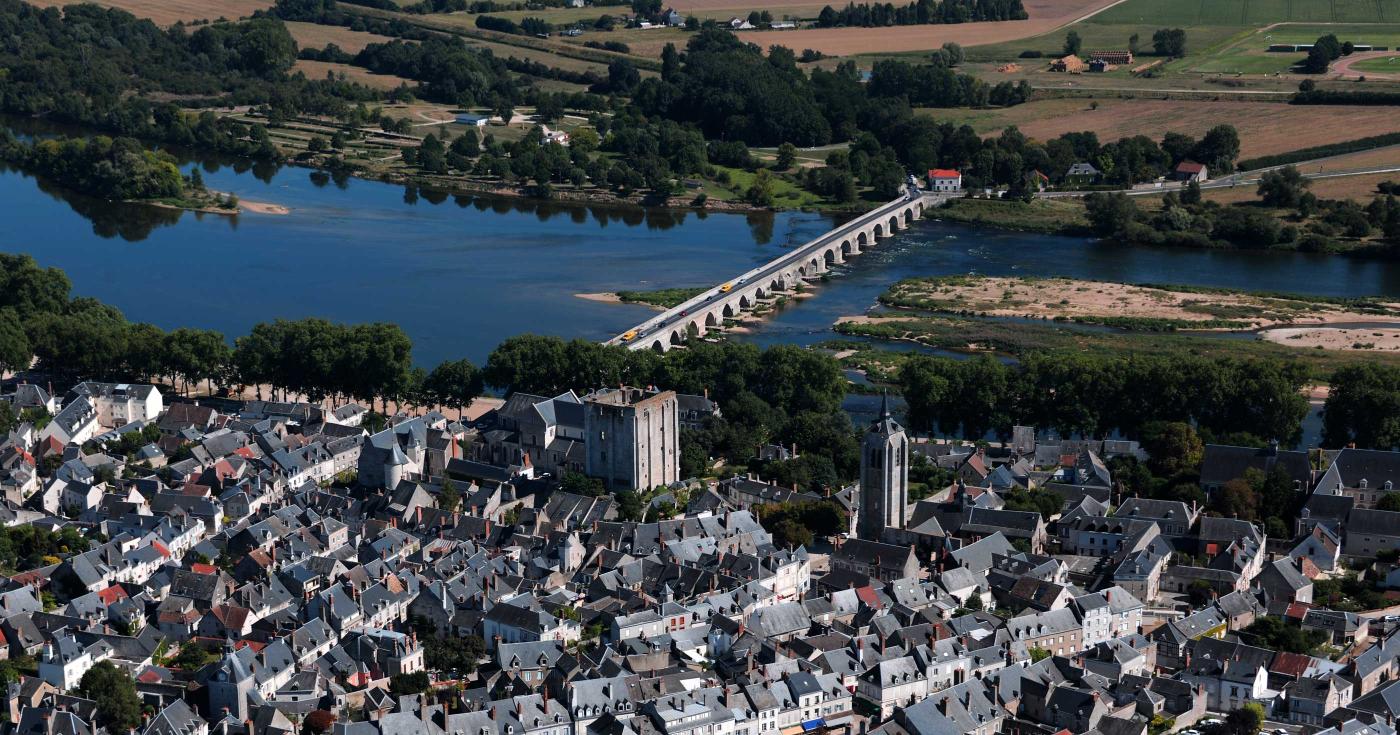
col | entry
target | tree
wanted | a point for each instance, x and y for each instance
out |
(449, 498)
(319, 721)
(416, 683)
(1246, 720)
(1172, 448)
(646, 8)
(787, 155)
(954, 53)
(1110, 213)
(1389, 501)
(1323, 52)
(1072, 44)
(1279, 635)
(15, 353)
(1169, 42)
(1237, 499)
(1191, 194)
(453, 383)
(118, 705)
(1133, 44)
(1283, 187)
(1363, 407)
(760, 191)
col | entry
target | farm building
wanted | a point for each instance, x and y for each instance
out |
(1100, 66)
(943, 179)
(473, 119)
(1191, 171)
(1115, 58)
(1072, 64)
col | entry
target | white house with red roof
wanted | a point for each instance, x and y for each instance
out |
(944, 179)
(1191, 171)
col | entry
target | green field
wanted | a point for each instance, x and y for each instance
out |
(1247, 12)
(1097, 36)
(1379, 65)
(1250, 54)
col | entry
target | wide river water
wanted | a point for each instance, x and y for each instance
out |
(460, 274)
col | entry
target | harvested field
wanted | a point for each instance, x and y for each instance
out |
(167, 12)
(1264, 127)
(318, 69)
(1120, 304)
(1360, 188)
(1045, 16)
(774, 6)
(315, 35)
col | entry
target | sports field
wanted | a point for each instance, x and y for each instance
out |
(1250, 54)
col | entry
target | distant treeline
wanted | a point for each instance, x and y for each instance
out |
(921, 12)
(1336, 97)
(55, 68)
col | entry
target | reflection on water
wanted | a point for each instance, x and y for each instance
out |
(460, 272)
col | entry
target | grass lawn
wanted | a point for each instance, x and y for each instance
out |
(1095, 36)
(1041, 215)
(1250, 55)
(785, 193)
(1182, 13)
(1379, 65)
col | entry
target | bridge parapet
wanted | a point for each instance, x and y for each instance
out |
(709, 309)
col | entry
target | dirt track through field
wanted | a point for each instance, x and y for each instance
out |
(1045, 16)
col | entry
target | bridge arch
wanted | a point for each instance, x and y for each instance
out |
(657, 346)
(829, 256)
(846, 248)
(879, 233)
(745, 302)
(676, 337)
(711, 320)
(728, 311)
(894, 224)
(695, 328)
(862, 240)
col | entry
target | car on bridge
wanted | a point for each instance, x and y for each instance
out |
(629, 335)
(726, 288)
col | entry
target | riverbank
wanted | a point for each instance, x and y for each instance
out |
(659, 299)
(215, 204)
(1048, 216)
(1017, 339)
(1152, 308)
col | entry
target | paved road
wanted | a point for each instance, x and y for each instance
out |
(1231, 181)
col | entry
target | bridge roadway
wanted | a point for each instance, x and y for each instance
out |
(763, 284)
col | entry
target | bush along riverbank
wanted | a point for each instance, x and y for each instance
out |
(119, 169)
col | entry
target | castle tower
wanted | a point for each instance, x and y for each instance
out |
(884, 476)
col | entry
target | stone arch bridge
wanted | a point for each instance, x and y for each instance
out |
(710, 309)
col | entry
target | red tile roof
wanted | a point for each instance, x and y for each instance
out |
(204, 568)
(111, 595)
(1190, 167)
(943, 173)
(1290, 664)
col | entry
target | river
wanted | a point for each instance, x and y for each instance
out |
(460, 274)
